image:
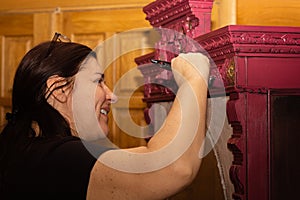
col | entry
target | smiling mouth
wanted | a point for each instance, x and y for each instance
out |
(103, 111)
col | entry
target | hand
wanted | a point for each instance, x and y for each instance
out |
(189, 66)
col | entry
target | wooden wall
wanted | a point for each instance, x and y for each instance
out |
(255, 12)
(268, 12)
(223, 13)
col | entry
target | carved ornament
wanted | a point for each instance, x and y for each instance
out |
(250, 40)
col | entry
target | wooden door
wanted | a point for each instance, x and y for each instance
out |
(16, 35)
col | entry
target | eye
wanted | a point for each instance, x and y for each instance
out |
(101, 79)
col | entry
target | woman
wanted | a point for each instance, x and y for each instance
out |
(44, 155)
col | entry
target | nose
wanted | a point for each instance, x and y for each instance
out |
(110, 95)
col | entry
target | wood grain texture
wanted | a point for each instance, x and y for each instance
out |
(108, 20)
(15, 6)
(15, 24)
(224, 13)
(268, 12)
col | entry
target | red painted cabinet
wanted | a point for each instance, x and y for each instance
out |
(263, 83)
(260, 69)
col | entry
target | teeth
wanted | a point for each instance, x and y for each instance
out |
(104, 112)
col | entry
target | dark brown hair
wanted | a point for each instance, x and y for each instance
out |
(29, 103)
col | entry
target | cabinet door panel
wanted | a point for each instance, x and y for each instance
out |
(16, 39)
(91, 40)
(14, 49)
(128, 87)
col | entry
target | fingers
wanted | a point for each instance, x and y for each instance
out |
(189, 66)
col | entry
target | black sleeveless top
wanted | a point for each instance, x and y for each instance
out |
(52, 169)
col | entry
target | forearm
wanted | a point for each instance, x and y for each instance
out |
(184, 127)
(189, 105)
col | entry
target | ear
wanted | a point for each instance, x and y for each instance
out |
(56, 87)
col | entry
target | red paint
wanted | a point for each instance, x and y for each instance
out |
(253, 62)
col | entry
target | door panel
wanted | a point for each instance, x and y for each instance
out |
(14, 49)
(91, 40)
(128, 87)
(16, 39)
(114, 20)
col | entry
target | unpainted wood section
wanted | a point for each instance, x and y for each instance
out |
(14, 49)
(16, 24)
(130, 106)
(2, 100)
(268, 12)
(90, 40)
(129, 84)
(46, 24)
(36, 5)
(42, 27)
(108, 20)
(1, 64)
(16, 39)
(223, 13)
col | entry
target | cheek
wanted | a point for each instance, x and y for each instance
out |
(100, 94)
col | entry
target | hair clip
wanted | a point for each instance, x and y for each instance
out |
(11, 117)
(162, 64)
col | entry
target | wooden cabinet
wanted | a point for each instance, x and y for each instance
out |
(90, 23)
(263, 90)
(259, 68)
(191, 19)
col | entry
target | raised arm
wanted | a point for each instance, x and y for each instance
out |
(171, 159)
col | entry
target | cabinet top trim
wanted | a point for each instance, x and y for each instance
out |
(256, 40)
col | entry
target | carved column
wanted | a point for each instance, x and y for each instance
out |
(175, 21)
(190, 18)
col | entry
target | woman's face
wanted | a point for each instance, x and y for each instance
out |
(103, 99)
(91, 101)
